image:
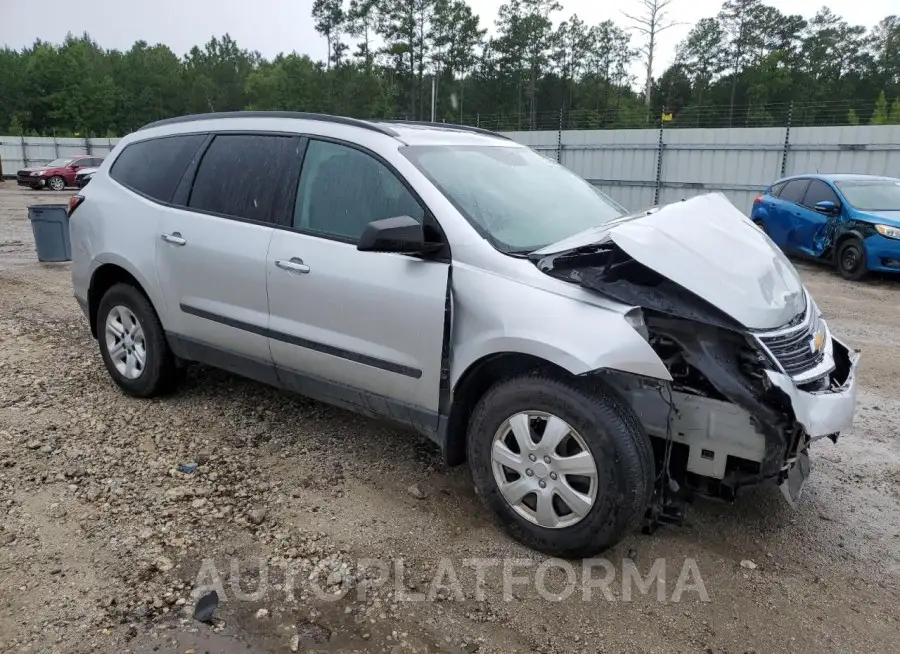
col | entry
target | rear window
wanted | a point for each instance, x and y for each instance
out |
(154, 167)
(250, 176)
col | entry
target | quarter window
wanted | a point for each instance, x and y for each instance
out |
(155, 167)
(249, 176)
(343, 189)
(794, 191)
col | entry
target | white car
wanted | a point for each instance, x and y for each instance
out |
(592, 366)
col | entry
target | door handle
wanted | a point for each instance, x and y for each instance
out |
(295, 264)
(174, 238)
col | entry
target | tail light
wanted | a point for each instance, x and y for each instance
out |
(74, 202)
(758, 199)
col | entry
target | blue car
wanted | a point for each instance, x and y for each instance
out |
(852, 221)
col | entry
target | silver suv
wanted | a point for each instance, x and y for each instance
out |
(593, 367)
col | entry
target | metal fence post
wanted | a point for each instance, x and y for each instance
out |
(659, 157)
(87, 145)
(559, 138)
(55, 146)
(787, 139)
(24, 153)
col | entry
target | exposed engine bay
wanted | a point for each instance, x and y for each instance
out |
(744, 404)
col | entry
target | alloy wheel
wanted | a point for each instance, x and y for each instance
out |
(125, 342)
(544, 469)
(57, 183)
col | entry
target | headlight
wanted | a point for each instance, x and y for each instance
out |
(888, 231)
(635, 318)
(37, 173)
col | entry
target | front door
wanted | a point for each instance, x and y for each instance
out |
(363, 329)
(814, 230)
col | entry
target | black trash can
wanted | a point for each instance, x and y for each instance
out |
(50, 225)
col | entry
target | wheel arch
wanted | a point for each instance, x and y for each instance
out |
(104, 277)
(473, 383)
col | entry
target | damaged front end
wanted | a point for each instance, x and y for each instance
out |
(744, 404)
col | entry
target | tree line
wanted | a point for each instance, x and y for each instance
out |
(749, 65)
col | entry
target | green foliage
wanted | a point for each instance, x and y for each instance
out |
(880, 115)
(750, 64)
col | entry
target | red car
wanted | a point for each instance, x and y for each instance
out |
(57, 174)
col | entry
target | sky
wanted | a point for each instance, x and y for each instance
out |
(274, 26)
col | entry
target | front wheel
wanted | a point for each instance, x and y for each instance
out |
(851, 260)
(133, 344)
(568, 470)
(56, 183)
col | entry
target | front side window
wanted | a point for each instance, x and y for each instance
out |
(249, 176)
(343, 189)
(880, 195)
(154, 167)
(819, 191)
(520, 200)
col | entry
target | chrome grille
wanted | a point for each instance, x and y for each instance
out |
(794, 345)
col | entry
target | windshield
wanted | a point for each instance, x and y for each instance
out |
(880, 195)
(518, 199)
(59, 163)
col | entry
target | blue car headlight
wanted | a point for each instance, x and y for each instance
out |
(888, 231)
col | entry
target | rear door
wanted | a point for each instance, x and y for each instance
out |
(364, 329)
(811, 228)
(211, 253)
(782, 223)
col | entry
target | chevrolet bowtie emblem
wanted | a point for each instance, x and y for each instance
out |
(817, 342)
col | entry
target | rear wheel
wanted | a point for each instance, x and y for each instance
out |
(56, 183)
(851, 259)
(568, 470)
(133, 344)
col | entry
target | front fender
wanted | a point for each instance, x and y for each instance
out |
(493, 315)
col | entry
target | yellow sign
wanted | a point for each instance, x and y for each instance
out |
(666, 117)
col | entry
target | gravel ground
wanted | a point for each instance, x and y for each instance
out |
(105, 542)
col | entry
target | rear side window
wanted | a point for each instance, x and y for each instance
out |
(794, 190)
(776, 190)
(819, 191)
(96, 163)
(250, 176)
(155, 167)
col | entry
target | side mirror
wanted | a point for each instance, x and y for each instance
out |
(401, 234)
(828, 207)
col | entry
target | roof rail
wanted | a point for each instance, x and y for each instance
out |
(297, 115)
(451, 126)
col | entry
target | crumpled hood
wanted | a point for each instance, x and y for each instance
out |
(891, 218)
(707, 246)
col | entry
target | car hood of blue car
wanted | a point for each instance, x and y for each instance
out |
(891, 218)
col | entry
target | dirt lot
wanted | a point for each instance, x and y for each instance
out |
(103, 538)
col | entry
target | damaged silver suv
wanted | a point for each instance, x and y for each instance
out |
(592, 367)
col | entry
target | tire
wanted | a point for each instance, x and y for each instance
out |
(158, 373)
(762, 226)
(622, 458)
(56, 183)
(36, 187)
(851, 259)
